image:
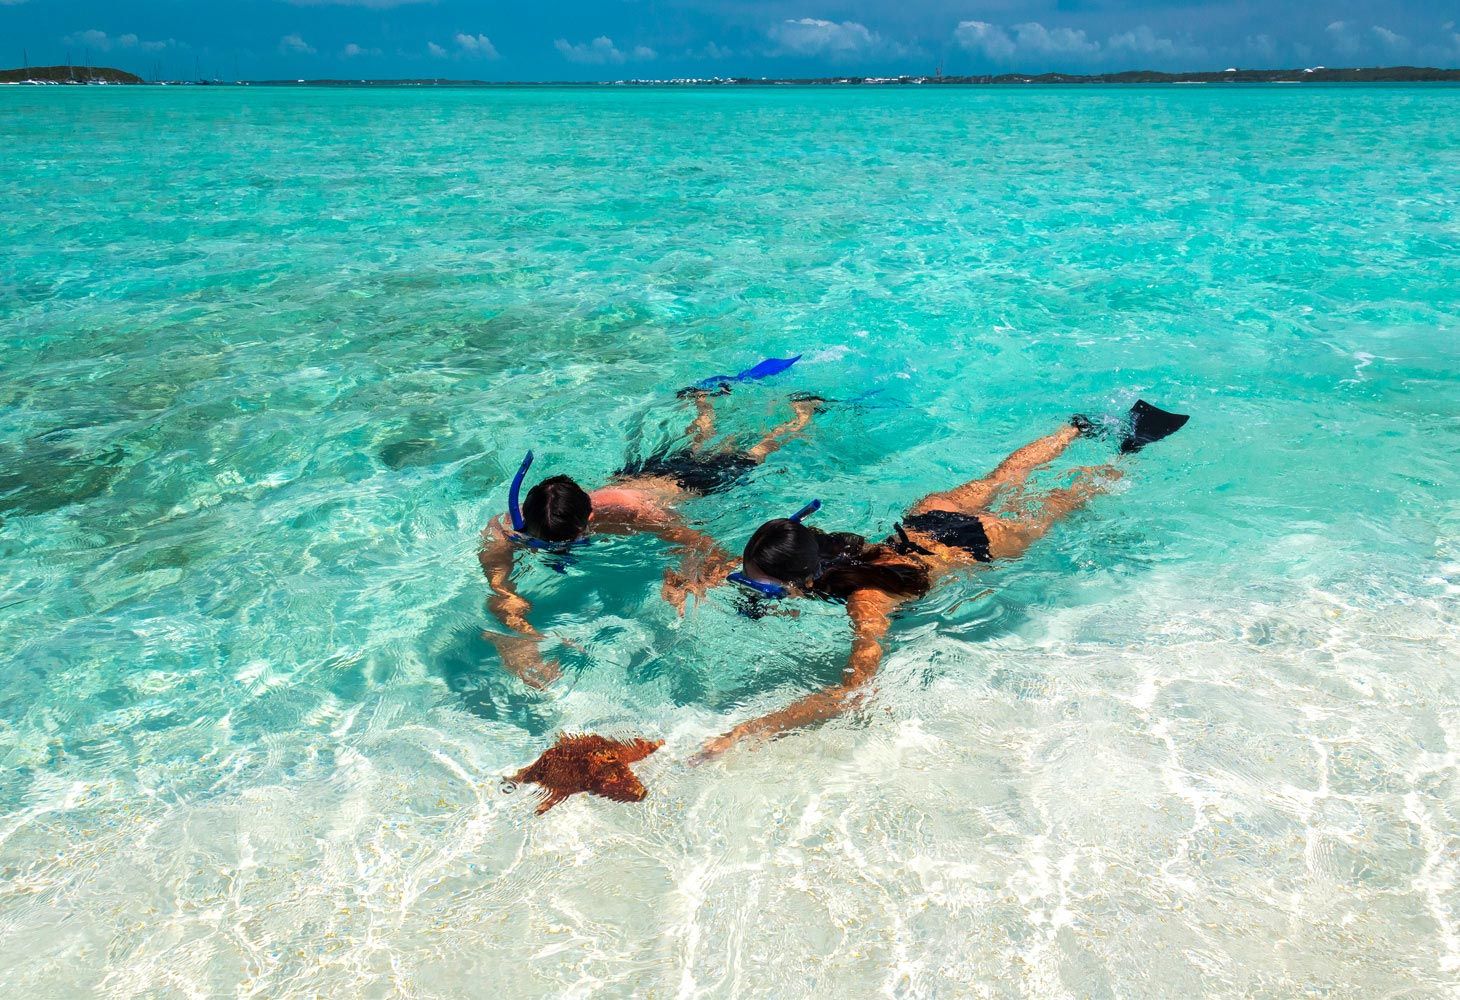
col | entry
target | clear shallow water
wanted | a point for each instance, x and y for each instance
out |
(271, 357)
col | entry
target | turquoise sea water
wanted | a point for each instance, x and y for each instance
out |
(271, 357)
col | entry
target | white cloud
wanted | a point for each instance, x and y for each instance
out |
(1143, 41)
(102, 42)
(601, 51)
(714, 51)
(1443, 50)
(352, 50)
(1035, 37)
(1344, 41)
(1389, 38)
(1261, 46)
(809, 36)
(476, 45)
(294, 45)
(435, 50)
(11, 3)
(92, 39)
(1030, 38)
(980, 36)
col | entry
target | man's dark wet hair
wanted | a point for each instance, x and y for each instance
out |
(837, 564)
(556, 510)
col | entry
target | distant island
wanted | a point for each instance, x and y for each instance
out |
(68, 74)
(1313, 74)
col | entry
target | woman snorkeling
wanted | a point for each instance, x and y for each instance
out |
(942, 533)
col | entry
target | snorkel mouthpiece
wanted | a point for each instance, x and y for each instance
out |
(773, 591)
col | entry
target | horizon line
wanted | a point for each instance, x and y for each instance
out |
(1396, 73)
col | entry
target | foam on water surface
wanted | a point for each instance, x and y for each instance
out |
(271, 358)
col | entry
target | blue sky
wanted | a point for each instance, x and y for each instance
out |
(615, 39)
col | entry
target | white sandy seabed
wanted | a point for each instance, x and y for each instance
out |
(1254, 793)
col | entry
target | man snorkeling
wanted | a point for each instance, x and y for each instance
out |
(557, 515)
(942, 533)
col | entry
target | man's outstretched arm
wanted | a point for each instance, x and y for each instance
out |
(703, 563)
(519, 649)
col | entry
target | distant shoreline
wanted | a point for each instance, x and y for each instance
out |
(84, 76)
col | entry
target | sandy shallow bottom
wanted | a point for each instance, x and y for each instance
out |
(1256, 801)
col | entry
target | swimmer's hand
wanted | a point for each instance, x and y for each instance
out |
(521, 656)
(715, 747)
(679, 584)
(675, 590)
(540, 673)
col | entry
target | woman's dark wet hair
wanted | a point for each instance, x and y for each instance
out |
(784, 550)
(556, 510)
(837, 564)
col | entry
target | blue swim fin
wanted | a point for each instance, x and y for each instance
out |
(767, 368)
(1149, 424)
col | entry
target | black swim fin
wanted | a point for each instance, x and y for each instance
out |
(1149, 424)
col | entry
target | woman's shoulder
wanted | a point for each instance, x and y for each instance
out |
(872, 602)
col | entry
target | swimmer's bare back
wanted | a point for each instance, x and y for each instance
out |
(630, 505)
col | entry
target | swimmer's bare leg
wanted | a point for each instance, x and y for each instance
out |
(974, 497)
(702, 428)
(1010, 537)
(804, 409)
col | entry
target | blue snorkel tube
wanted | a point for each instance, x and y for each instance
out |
(514, 495)
(774, 591)
(519, 527)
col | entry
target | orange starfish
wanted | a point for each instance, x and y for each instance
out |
(588, 764)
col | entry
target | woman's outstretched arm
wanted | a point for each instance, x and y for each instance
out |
(871, 614)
